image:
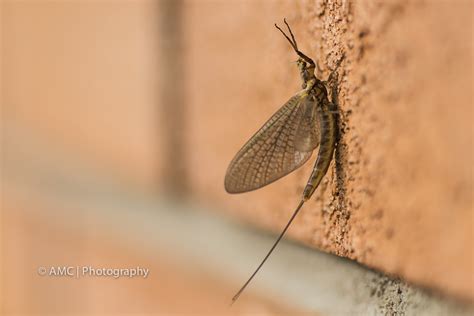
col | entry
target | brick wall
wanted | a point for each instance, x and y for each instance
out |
(88, 79)
(399, 196)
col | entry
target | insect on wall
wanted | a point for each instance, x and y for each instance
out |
(308, 120)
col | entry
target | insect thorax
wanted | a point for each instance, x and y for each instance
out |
(317, 90)
(307, 74)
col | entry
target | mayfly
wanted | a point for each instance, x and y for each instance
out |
(286, 141)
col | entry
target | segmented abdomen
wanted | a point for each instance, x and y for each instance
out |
(327, 117)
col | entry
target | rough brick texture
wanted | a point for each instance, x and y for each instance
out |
(85, 77)
(399, 195)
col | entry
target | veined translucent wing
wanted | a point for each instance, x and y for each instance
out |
(284, 143)
(308, 132)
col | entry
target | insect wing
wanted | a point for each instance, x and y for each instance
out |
(308, 132)
(271, 153)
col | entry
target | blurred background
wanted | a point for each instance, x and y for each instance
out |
(98, 102)
(119, 119)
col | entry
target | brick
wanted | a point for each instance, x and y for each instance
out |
(83, 76)
(398, 197)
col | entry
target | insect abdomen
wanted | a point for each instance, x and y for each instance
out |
(326, 149)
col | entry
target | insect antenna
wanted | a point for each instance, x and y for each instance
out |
(293, 43)
(291, 33)
(292, 40)
(236, 296)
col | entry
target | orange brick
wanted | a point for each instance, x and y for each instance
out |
(400, 198)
